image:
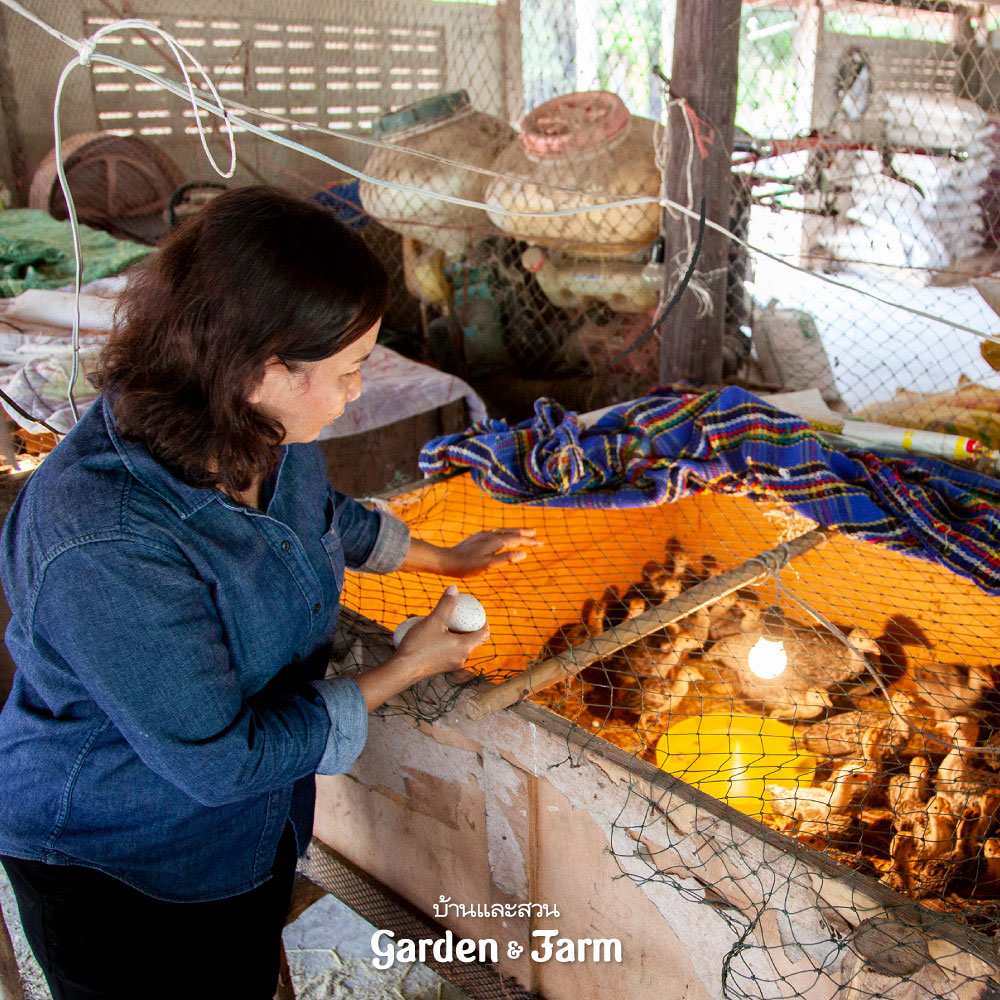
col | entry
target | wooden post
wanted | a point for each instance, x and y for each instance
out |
(807, 43)
(13, 166)
(11, 984)
(509, 15)
(706, 57)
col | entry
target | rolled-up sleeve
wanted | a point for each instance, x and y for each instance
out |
(348, 723)
(138, 627)
(390, 547)
(373, 541)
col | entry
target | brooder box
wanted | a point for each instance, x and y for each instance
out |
(492, 825)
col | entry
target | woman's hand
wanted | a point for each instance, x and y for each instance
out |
(479, 552)
(428, 649)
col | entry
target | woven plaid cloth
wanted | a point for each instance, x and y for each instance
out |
(667, 446)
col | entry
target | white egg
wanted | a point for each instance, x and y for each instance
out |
(468, 616)
(403, 627)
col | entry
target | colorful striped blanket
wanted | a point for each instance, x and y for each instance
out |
(667, 446)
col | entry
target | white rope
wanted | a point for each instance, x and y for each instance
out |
(678, 266)
(74, 228)
(223, 108)
(87, 50)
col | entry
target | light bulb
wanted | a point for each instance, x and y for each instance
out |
(767, 659)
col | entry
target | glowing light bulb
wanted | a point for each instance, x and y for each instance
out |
(767, 659)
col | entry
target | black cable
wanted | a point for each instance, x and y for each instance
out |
(28, 416)
(677, 295)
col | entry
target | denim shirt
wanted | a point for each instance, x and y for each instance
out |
(168, 711)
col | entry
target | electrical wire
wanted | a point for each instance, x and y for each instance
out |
(222, 108)
(775, 574)
(14, 405)
(681, 288)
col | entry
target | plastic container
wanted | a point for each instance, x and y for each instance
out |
(447, 126)
(423, 272)
(572, 283)
(588, 142)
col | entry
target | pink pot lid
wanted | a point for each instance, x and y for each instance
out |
(574, 123)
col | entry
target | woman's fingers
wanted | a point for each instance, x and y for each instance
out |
(507, 556)
(514, 536)
(435, 649)
(477, 638)
(445, 605)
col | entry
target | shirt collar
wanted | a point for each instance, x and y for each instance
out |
(184, 500)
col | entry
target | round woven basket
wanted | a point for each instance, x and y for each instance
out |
(120, 184)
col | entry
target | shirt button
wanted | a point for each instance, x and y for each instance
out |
(286, 546)
(317, 608)
(296, 658)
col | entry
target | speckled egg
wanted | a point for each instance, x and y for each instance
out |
(403, 627)
(468, 616)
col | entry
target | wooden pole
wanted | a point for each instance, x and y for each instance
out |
(558, 668)
(807, 43)
(11, 984)
(509, 15)
(706, 57)
(13, 165)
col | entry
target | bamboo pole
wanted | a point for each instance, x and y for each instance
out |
(571, 662)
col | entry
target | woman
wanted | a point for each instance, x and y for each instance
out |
(174, 570)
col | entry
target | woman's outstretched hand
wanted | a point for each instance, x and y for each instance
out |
(473, 555)
(428, 649)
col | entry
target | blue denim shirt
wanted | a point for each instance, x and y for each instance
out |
(168, 711)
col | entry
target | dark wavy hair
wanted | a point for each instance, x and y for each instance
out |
(255, 274)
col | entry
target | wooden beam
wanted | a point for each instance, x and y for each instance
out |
(706, 57)
(509, 15)
(807, 43)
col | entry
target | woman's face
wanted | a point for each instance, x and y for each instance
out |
(307, 400)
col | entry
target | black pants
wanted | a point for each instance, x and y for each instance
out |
(96, 937)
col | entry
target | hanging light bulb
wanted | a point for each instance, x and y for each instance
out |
(767, 658)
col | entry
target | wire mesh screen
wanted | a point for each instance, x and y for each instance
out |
(892, 188)
(890, 180)
(871, 739)
(849, 702)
